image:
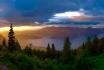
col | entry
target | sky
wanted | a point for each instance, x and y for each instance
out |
(52, 11)
(49, 13)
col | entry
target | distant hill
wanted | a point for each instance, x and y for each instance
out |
(61, 32)
(25, 37)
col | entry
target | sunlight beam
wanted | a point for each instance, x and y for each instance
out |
(21, 28)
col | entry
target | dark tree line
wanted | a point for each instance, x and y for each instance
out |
(92, 47)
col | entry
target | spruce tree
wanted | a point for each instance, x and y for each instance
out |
(4, 42)
(4, 46)
(83, 46)
(11, 40)
(53, 51)
(88, 47)
(66, 53)
(28, 50)
(17, 45)
(101, 46)
(48, 51)
(88, 43)
(95, 46)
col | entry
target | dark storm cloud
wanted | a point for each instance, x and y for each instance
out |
(42, 10)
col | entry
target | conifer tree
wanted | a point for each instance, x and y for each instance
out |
(4, 46)
(11, 41)
(88, 43)
(66, 54)
(80, 51)
(88, 47)
(95, 46)
(48, 51)
(17, 45)
(28, 50)
(101, 46)
(53, 51)
(83, 46)
(4, 42)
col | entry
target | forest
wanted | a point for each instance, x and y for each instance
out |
(89, 56)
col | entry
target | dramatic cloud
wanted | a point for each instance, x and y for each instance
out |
(44, 10)
(71, 15)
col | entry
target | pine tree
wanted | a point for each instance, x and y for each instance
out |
(11, 41)
(66, 54)
(88, 47)
(4, 46)
(4, 42)
(28, 50)
(101, 46)
(83, 46)
(17, 45)
(88, 43)
(48, 51)
(95, 46)
(53, 51)
(80, 51)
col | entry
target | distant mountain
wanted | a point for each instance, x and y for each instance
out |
(56, 35)
(40, 38)
(61, 32)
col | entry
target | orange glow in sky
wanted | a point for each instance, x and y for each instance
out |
(21, 28)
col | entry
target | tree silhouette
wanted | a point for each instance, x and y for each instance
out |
(83, 46)
(66, 53)
(101, 46)
(88, 43)
(11, 41)
(4, 46)
(48, 51)
(88, 47)
(4, 42)
(28, 50)
(17, 45)
(53, 51)
(95, 46)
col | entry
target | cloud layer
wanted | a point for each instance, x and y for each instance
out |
(52, 10)
(70, 15)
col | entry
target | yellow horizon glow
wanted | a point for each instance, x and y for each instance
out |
(21, 28)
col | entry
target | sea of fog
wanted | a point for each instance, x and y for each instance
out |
(59, 42)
